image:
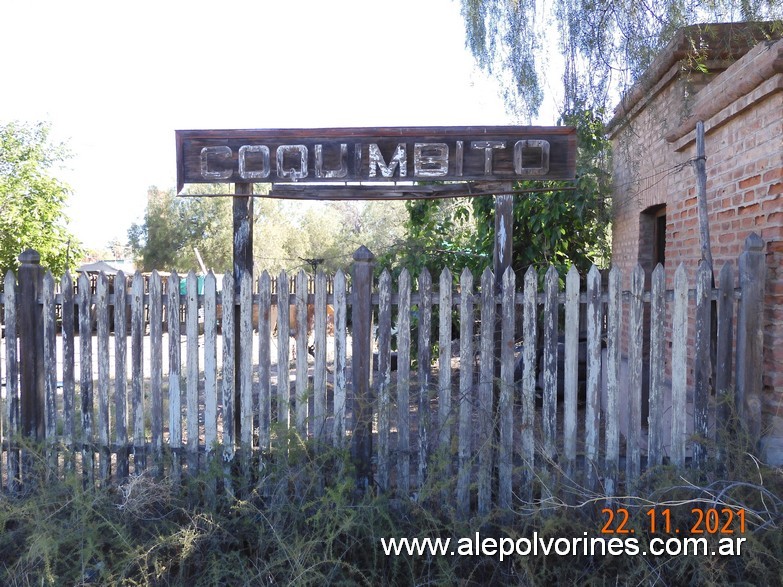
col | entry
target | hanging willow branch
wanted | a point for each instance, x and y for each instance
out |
(605, 44)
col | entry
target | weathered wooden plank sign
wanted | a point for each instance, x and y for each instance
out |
(374, 155)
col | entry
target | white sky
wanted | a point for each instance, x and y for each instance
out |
(115, 81)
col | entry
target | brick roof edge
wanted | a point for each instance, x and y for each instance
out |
(721, 41)
(742, 77)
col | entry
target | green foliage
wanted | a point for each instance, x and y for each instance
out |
(605, 44)
(438, 234)
(32, 200)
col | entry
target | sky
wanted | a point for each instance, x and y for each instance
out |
(115, 80)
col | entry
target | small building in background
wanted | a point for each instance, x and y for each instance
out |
(730, 76)
(99, 266)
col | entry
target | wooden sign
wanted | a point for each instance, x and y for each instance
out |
(369, 163)
(395, 157)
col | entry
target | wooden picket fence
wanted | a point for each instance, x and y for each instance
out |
(486, 412)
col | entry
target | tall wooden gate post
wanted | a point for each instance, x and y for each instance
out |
(750, 336)
(32, 397)
(501, 256)
(361, 315)
(243, 266)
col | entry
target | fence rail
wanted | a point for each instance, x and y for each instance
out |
(538, 390)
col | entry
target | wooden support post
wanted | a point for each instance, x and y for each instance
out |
(750, 335)
(243, 265)
(361, 315)
(706, 339)
(32, 398)
(700, 163)
(504, 236)
(501, 260)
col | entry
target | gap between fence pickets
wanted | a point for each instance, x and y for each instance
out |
(131, 430)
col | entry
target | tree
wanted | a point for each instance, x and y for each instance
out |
(278, 241)
(174, 227)
(32, 200)
(438, 234)
(378, 225)
(285, 234)
(292, 234)
(605, 44)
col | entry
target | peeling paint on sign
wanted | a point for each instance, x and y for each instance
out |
(261, 173)
(292, 173)
(320, 172)
(378, 162)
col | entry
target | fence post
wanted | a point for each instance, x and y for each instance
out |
(361, 314)
(32, 397)
(242, 267)
(750, 336)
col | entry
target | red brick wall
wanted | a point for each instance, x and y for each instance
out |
(744, 148)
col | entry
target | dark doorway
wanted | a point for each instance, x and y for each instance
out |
(652, 250)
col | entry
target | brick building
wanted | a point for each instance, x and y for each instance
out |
(735, 87)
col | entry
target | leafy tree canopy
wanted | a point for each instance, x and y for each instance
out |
(32, 200)
(174, 228)
(605, 44)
